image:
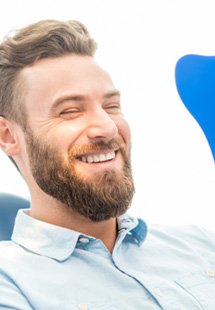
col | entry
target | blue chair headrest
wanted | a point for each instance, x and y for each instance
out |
(9, 206)
(195, 81)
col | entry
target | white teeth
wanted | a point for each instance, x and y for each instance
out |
(83, 159)
(98, 158)
(102, 157)
(95, 159)
(110, 155)
(89, 159)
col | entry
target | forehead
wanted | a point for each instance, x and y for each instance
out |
(50, 78)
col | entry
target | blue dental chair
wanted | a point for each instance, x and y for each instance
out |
(9, 206)
(195, 82)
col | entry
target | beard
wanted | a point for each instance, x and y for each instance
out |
(106, 195)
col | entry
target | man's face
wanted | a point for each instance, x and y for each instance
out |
(78, 142)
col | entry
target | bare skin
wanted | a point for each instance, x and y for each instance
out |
(69, 100)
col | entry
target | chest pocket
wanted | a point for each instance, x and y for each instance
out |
(201, 286)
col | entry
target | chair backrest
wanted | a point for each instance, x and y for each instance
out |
(195, 80)
(9, 206)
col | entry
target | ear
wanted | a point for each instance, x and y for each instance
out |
(9, 142)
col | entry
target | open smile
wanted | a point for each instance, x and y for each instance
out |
(98, 157)
(110, 159)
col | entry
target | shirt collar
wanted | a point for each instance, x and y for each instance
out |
(136, 227)
(43, 238)
(58, 242)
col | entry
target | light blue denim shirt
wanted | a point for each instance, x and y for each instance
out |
(48, 267)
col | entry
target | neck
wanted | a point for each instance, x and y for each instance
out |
(50, 211)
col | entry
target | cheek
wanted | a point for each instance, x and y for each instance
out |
(124, 130)
(65, 134)
(61, 137)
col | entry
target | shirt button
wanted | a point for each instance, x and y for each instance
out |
(83, 307)
(157, 291)
(84, 240)
(211, 273)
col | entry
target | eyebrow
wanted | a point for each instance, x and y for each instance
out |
(112, 94)
(77, 98)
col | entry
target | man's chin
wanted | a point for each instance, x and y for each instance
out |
(100, 178)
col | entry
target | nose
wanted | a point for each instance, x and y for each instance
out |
(101, 127)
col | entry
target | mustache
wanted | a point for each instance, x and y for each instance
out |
(81, 150)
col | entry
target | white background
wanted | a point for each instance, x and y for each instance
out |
(139, 44)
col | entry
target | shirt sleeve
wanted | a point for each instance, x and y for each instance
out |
(10, 295)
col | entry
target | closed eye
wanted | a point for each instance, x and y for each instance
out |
(70, 113)
(113, 107)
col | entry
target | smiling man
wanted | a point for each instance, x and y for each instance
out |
(77, 141)
(76, 247)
